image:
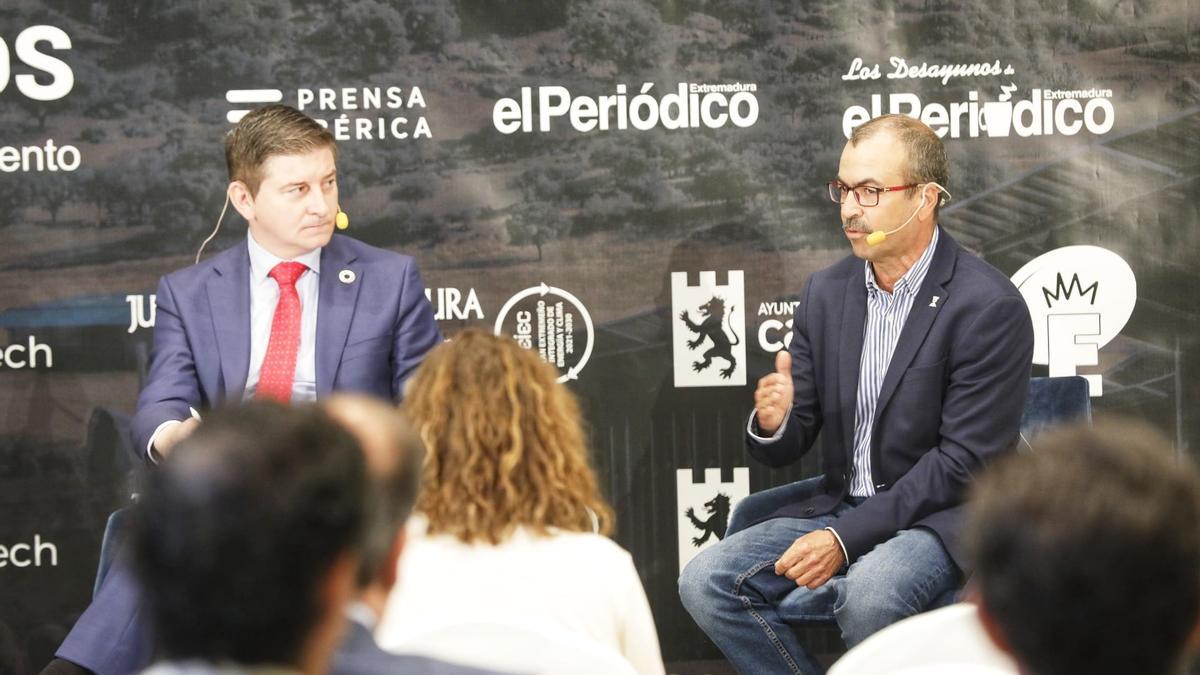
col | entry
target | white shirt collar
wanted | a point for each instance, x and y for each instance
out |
(263, 261)
(360, 613)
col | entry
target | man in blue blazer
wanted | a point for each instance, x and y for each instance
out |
(363, 321)
(911, 358)
(351, 317)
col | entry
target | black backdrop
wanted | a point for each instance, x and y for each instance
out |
(577, 157)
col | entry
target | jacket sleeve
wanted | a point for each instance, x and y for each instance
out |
(172, 385)
(804, 422)
(415, 332)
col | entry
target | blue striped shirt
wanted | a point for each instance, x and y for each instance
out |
(886, 314)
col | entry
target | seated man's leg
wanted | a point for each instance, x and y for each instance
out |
(901, 577)
(732, 592)
(110, 637)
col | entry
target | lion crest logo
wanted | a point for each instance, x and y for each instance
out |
(708, 330)
(712, 327)
(717, 521)
(703, 507)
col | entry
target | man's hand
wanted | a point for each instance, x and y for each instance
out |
(172, 434)
(773, 397)
(812, 559)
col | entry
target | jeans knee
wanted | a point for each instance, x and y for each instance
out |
(863, 612)
(695, 583)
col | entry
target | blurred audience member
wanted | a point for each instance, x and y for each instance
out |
(1087, 553)
(1087, 560)
(393, 452)
(247, 542)
(510, 523)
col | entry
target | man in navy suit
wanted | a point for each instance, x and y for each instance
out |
(359, 317)
(911, 358)
(351, 317)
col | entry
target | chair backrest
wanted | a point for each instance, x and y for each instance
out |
(1052, 401)
(508, 645)
(116, 534)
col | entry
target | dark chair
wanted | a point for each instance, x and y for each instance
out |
(1052, 401)
(115, 533)
(112, 460)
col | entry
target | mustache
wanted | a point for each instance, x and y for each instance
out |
(856, 223)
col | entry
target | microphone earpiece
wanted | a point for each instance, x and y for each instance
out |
(876, 238)
(341, 220)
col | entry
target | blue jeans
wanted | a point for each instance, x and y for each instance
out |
(734, 595)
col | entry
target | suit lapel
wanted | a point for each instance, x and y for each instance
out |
(850, 341)
(920, 317)
(229, 306)
(340, 280)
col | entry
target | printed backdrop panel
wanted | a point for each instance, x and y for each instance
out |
(633, 188)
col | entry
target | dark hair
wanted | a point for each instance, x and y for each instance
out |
(237, 528)
(1087, 551)
(268, 131)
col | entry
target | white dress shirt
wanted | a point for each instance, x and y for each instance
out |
(264, 295)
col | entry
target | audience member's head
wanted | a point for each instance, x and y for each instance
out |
(1087, 553)
(505, 443)
(394, 455)
(248, 536)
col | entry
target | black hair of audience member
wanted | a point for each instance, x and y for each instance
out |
(1087, 552)
(239, 526)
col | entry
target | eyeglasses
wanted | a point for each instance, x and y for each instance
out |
(865, 195)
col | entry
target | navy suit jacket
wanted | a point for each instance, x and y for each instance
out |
(372, 331)
(360, 655)
(951, 399)
(112, 639)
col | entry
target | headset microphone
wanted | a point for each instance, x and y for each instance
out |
(877, 238)
(341, 220)
(215, 229)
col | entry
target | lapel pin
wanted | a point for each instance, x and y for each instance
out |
(347, 276)
(933, 302)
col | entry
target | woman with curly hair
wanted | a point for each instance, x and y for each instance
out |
(510, 522)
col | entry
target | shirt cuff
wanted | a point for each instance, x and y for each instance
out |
(752, 429)
(845, 556)
(150, 451)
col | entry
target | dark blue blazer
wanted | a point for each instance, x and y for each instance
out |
(371, 332)
(360, 655)
(950, 402)
(111, 638)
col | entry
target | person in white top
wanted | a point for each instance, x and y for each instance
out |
(511, 526)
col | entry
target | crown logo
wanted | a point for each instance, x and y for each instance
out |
(1063, 291)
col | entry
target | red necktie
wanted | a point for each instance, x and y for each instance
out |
(279, 365)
